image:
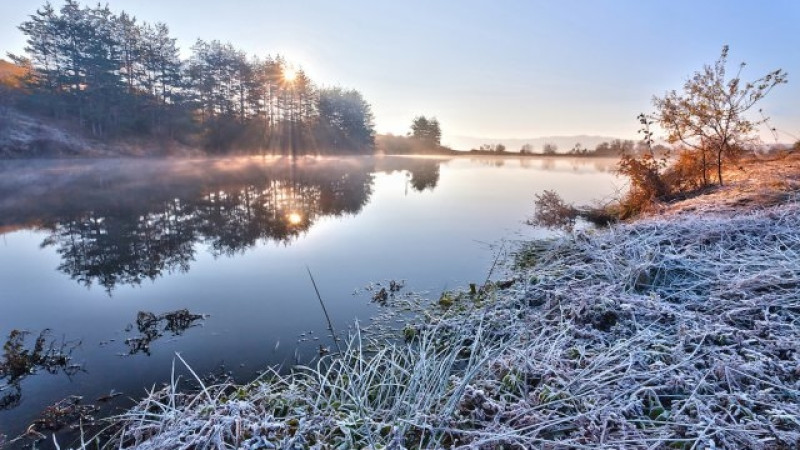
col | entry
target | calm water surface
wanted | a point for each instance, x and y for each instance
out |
(89, 246)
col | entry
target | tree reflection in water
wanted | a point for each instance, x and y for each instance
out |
(424, 175)
(152, 327)
(127, 222)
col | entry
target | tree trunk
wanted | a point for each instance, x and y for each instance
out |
(705, 166)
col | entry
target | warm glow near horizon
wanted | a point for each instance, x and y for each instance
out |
(289, 74)
(528, 69)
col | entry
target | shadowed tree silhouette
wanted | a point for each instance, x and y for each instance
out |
(115, 76)
(427, 132)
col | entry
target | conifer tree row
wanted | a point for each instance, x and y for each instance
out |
(116, 77)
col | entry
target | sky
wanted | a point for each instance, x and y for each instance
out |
(494, 69)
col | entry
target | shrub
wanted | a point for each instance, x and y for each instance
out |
(553, 212)
(646, 183)
(686, 172)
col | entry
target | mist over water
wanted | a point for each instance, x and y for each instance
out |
(109, 253)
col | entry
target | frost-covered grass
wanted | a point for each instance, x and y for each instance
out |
(678, 333)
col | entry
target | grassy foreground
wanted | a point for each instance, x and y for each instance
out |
(670, 332)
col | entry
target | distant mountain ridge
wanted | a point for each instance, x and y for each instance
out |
(564, 143)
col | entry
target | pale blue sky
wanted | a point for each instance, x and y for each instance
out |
(495, 69)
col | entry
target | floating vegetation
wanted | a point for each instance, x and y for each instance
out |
(678, 333)
(395, 286)
(108, 397)
(68, 413)
(20, 361)
(152, 327)
(382, 295)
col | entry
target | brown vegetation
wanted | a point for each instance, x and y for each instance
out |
(11, 74)
(390, 144)
(756, 182)
(708, 120)
(708, 117)
(553, 212)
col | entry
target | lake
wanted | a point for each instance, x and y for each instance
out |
(105, 254)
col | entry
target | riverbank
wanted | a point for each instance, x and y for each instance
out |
(753, 183)
(678, 330)
(27, 136)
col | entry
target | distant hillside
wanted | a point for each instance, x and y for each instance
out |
(564, 143)
(28, 136)
(10, 72)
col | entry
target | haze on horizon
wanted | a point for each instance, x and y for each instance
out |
(523, 69)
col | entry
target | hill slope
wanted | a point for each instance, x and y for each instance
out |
(10, 73)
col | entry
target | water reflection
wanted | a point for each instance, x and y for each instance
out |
(151, 327)
(553, 163)
(128, 220)
(123, 223)
(424, 175)
(20, 361)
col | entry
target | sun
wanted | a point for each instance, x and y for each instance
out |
(295, 218)
(289, 74)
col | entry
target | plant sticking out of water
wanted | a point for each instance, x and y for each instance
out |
(382, 295)
(551, 211)
(334, 336)
(20, 361)
(151, 327)
(447, 299)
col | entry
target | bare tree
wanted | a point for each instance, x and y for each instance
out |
(709, 115)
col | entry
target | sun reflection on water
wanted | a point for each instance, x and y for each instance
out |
(295, 218)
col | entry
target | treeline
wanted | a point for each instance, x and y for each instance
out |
(115, 76)
(620, 147)
(613, 148)
(424, 137)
